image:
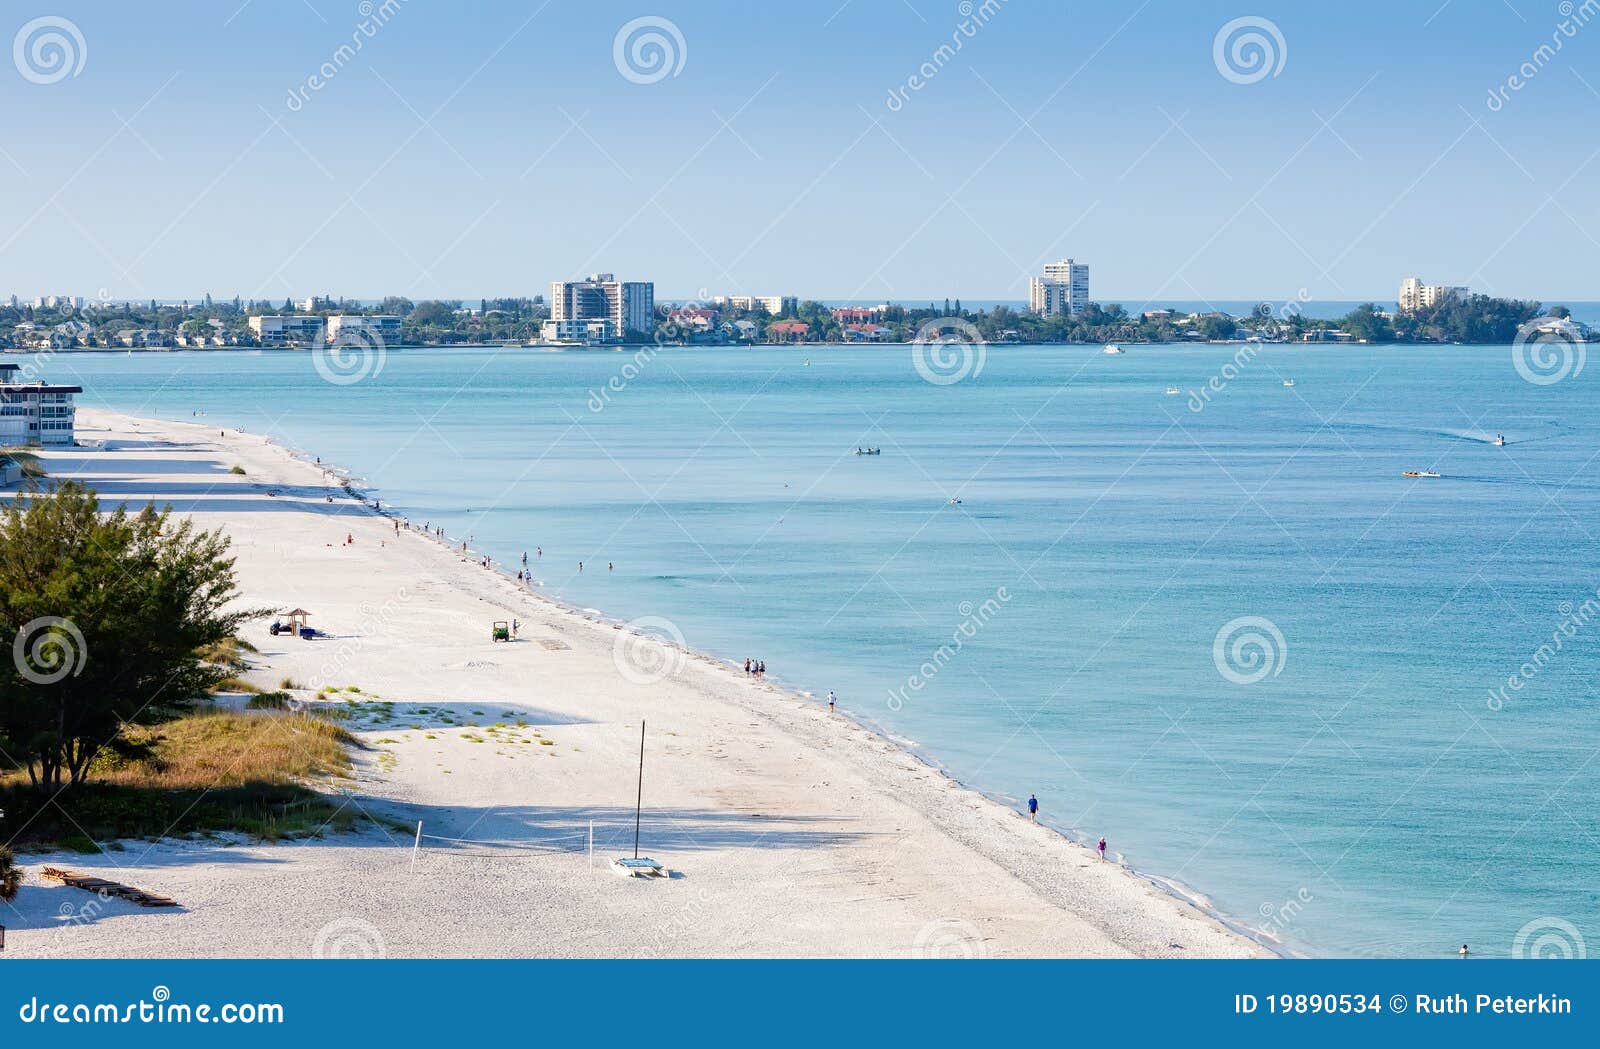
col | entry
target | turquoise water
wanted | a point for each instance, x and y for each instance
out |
(1361, 798)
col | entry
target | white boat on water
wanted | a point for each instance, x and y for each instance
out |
(1173, 391)
(1113, 349)
(1288, 382)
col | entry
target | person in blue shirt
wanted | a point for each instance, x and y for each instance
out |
(1033, 808)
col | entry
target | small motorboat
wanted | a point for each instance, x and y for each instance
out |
(1419, 473)
(869, 451)
(1499, 440)
(1173, 391)
(1113, 348)
(1288, 382)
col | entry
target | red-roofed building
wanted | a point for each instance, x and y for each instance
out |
(788, 331)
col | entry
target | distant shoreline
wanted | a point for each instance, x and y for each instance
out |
(636, 346)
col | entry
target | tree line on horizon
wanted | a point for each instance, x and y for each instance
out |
(1458, 318)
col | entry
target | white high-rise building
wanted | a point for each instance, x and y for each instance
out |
(628, 305)
(1415, 295)
(1064, 288)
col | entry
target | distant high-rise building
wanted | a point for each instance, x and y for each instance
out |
(1415, 295)
(1064, 288)
(628, 305)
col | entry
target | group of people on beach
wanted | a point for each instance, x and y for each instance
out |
(1033, 814)
(755, 667)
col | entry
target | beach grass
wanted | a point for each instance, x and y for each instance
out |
(207, 773)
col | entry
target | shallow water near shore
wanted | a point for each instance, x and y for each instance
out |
(1054, 632)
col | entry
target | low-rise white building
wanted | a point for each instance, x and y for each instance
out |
(385, 327)
(584, 332)
(35, 413)
(287, 330)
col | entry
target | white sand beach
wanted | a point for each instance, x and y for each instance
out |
(789, 831)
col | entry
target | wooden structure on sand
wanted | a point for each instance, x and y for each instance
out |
(102, 887)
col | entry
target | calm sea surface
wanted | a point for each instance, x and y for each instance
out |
(1363, 796)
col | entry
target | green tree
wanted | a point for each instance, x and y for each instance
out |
(10, 874)
(1366, 323)
(108, 614)
(1218, 326)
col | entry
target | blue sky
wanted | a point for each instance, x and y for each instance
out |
(486, 149)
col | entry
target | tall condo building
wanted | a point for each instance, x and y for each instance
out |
(1415, 295)
(628, 305)
(1064, 288)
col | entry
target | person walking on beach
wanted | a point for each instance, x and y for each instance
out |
(830, 700)
(1102, 848)
(1033, 808)
(747, 665)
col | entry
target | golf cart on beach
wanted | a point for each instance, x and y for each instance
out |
(501, 631)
